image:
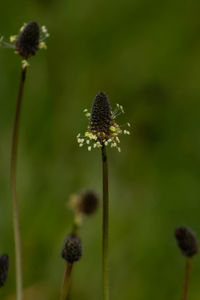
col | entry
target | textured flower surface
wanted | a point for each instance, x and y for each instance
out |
(29, 40)
(72, 250)
(4, 265)
(186, 241)
(102, 128)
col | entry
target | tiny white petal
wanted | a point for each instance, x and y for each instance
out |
(80, 145)
(89, 148)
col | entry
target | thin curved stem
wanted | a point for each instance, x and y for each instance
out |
(105, 224)
(13, 165)
(66, 281)
(187, 278)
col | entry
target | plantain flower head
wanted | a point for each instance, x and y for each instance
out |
(102, 128)
(186, 241)
(72, 249)
(4, 266)
(29, 40)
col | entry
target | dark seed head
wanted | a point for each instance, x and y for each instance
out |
(186, 241)
(88, 202)
(72, 250)
(101, 116)
(28, 40)
(4, 265)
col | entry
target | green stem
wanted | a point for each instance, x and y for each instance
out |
(66, 281)
(105, 224)
(13, 164)
(187, 278)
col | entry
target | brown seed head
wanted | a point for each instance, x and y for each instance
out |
(28, 40)
(4, 265)
(88, 202)
(101, 117)
(186, 241)
(72, 250)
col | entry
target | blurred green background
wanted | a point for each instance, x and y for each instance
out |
(146, 56)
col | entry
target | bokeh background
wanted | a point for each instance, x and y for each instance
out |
(146, 56)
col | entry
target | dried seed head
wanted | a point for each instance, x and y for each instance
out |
(88, 202)
(28, 40)
(4, 265)
(101, 117)
(72, 250)
(186, 241)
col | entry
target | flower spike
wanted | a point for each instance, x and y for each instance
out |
(29, 40)
(102, 128)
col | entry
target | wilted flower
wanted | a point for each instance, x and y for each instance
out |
(4, 265)
(30, 38)
(102, 129)
(72, 250)
(186, 241)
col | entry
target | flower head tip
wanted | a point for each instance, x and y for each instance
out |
(186, 241)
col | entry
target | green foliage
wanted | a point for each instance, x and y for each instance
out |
(145, 56)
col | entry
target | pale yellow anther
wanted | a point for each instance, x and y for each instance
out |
(13, 38)
(42, 45)
(44, 29)
(117, 139)
(112, 128)
(25, 64)
(22, 28)
(121, 108)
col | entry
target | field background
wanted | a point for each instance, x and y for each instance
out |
(146, 56)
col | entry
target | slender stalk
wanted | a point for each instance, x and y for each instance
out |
(66, 281)
(13, 165)
(187, 278)
(105, 224)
